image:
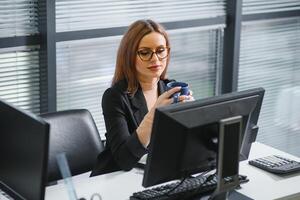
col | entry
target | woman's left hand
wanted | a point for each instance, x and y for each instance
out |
(186, 98)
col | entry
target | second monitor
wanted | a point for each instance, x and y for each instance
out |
(184, 138)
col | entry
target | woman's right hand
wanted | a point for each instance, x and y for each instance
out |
(164, 98)
(145, 128)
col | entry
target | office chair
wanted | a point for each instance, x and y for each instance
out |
(75, 133)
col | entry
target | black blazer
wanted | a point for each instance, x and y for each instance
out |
(122, 115)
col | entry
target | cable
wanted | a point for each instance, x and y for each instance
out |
(207, 179)
(175, 187)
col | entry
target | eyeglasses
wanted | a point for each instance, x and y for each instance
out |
(146, 54)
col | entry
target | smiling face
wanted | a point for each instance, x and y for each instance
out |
(153, 68)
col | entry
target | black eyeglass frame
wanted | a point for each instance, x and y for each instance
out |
(152, 52)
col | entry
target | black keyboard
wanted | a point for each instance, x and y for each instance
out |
(201, 185)
(276, 164)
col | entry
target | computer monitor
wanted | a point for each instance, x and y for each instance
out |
(24, 140)
(184, 136)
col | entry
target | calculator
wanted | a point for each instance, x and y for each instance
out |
(276, 164)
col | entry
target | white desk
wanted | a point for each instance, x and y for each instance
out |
(120, 185)
(264, 185)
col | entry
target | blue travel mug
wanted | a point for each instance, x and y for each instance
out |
(184, 89)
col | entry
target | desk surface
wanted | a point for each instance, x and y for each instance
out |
(265, 185)
(120, 185)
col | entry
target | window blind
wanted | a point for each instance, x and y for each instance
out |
(258, 6)
(85, 68)
(269, 58)
(196, 59)
(91, 14)
(20, 77)
(18, 17)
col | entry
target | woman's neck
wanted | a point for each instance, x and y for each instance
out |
(150, 92)
(147, 85)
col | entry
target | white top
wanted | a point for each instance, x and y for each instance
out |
(120, 185)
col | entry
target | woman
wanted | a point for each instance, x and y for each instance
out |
(138, 88)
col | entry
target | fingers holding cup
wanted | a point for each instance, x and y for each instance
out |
(182, 94)
(185, 98)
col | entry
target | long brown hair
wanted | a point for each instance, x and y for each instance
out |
(126, 57)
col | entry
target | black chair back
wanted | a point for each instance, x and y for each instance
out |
(75, 133)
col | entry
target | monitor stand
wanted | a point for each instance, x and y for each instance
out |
(230, 130)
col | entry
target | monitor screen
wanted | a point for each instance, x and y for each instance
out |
(184, 137)
(23, 153)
